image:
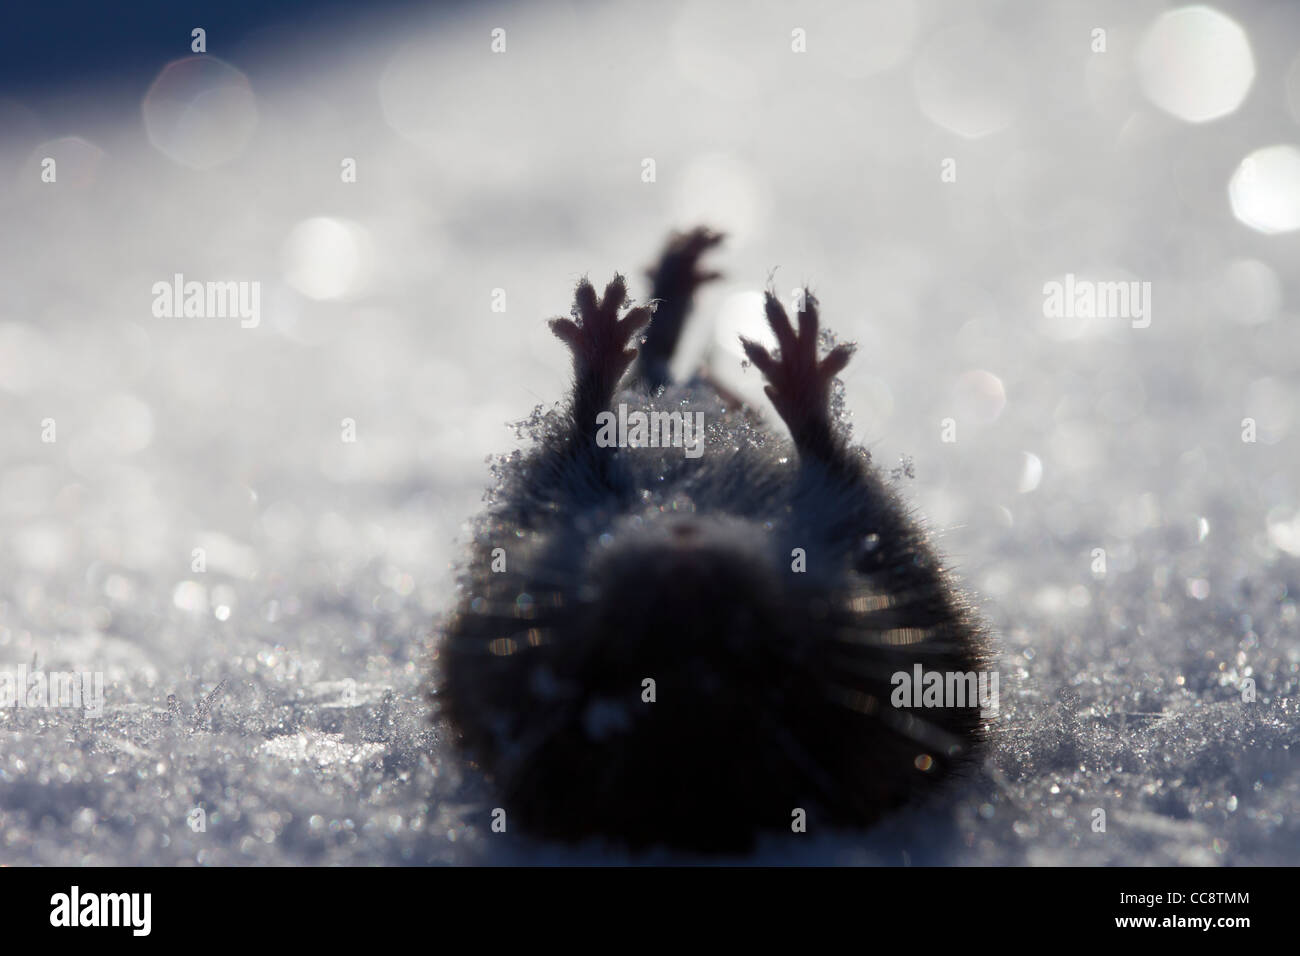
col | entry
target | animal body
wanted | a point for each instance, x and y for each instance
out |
(658, 648)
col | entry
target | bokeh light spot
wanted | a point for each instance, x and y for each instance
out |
(324, 258)
(980, 396)
(1195, 63)
(200, 112)
(1265, 190)
(970, 80)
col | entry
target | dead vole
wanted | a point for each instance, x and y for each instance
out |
(676, 627)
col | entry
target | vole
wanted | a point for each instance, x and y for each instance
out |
(662, 649)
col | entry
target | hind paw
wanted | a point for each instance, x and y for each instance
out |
(674, 279)
(799, 383)
(677, 274)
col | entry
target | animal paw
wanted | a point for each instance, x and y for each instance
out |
(677, 273)
(799, 383)
(674, 279)
(597, 336)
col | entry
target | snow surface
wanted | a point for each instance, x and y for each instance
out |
(328, 563)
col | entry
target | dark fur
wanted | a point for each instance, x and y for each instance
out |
(773, 687)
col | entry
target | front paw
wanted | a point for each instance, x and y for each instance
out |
(799, 383)
(597, 336)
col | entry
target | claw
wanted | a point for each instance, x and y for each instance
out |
(615, 295)
(808, 326)
(636, 318)
(759, 356)
(836, 361)
(566, 330)
(780, 323)
(584, 300)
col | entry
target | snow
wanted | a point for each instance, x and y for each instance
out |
(281, 689)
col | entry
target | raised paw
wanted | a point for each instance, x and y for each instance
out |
(677, 272)
(598, 339)
(674, 279)
(799, 383)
